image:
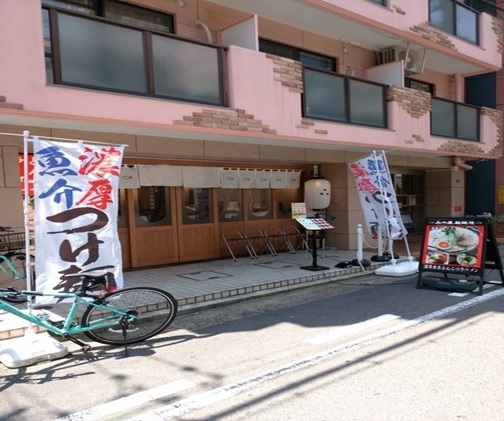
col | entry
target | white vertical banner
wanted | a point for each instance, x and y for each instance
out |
(76, 208)
(377, 196)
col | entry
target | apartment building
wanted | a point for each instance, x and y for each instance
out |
(227, 90)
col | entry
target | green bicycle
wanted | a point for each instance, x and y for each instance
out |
(122, 317)
(13, 259)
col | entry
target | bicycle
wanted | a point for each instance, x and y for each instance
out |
(13, 268)
(122, 317)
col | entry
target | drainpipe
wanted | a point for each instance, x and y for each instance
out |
(460, 163)
(207, 31)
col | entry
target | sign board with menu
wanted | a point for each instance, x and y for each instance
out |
(313, 225)
(461, 246)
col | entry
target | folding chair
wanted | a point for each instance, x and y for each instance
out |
(232, 237)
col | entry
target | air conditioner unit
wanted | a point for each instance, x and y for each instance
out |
(413, 62)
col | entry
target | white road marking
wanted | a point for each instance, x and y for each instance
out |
(349, 329)
(204, 399)
(128, 402)
(457, 294)
(463, 294)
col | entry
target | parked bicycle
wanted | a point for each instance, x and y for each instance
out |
(122, 317)
(13, 259)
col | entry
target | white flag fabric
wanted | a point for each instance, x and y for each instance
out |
(246, 179)
(160, 175)
(285, 179)
(129, 177)
(200, 177)
(228, 178)
(262, 179)
(76, 208)
(377, 197)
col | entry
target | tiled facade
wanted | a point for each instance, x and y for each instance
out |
(271, 112)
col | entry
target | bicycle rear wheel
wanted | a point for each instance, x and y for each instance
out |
(15, 278)
(155, 309)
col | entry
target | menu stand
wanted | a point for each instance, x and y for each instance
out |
(314, 225)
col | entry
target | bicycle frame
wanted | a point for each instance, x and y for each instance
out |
(68, 327)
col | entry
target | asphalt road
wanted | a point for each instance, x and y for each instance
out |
(371, 348)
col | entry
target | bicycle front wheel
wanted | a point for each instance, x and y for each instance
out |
(154, 308)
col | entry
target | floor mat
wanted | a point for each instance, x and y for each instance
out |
(204, 275)
(275, 265)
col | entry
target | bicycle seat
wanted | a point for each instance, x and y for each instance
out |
(93, 273)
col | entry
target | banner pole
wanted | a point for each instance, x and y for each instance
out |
(26, 210)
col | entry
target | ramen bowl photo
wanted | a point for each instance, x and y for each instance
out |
(466, 260)
(438, 258)
(443, 244)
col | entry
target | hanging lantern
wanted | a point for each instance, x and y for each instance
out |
(317, 194)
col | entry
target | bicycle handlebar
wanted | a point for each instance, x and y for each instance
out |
(10, 293)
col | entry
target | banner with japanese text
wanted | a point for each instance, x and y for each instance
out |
(76, 208)
(377, 197)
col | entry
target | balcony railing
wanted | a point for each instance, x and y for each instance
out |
(454, 119)
(455, 18)
(333, 97)
(88, 52)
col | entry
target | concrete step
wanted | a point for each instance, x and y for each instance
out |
(14, 327)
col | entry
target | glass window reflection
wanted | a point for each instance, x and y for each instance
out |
(284, 200)
(153, 206)
(197, 205)
(260, 204)
(230, 205)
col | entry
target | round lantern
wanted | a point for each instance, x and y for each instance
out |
(317, 194)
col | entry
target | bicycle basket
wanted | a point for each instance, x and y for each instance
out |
(12, 241)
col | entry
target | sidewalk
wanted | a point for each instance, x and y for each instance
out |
(223, 281)
(197, 285)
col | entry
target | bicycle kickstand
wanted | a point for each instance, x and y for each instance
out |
(124, 327)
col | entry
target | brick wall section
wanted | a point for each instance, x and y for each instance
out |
(497, 118)
(398, 10)
(425, 30)
(227, 119)
(498, 28)
(12, 105)
(415, 103)
(288, 72)
(468, 148)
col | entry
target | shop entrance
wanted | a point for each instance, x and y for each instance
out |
(163, 225)
(409, 188)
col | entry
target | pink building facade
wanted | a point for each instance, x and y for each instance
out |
(277, 86)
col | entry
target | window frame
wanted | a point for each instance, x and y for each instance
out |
(456, 6)
(456, 120)
(99, 9)
(54, 59)
(428, 87)
(346, 100)
(296, 53)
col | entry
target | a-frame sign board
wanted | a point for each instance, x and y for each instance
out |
(460, 246)
(314, 225)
